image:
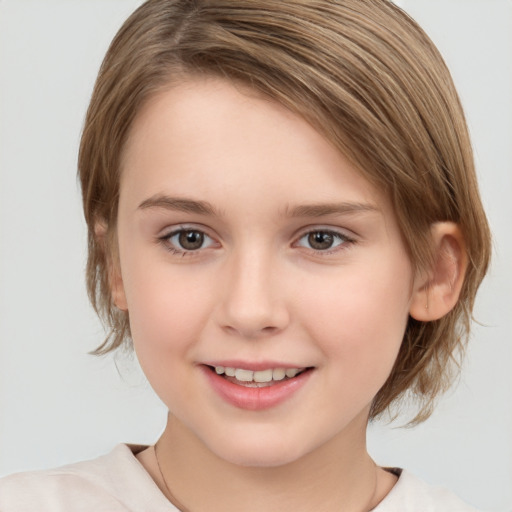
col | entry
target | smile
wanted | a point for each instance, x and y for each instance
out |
(256, 389)
(259, 378)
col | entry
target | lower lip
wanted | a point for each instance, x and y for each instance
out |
(255, 399)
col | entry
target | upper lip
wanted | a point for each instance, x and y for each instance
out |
(254, 366)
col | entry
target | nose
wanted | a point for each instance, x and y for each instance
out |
(253, 301)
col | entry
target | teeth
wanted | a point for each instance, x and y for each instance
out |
(268, 375)
(244, 375)
(263, 376)
(278, 374)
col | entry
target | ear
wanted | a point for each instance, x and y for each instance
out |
(115, 279)
(437, 291)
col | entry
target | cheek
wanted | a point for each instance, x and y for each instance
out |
(166, 310)
(166, 317)
(360, 323)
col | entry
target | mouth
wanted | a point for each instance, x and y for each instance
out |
(256, 390)
(259, 378)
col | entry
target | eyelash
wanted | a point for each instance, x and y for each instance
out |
(343, 239)
(165, 240)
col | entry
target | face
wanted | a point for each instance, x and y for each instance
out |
(267, 284)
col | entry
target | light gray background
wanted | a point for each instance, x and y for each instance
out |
(58, 404)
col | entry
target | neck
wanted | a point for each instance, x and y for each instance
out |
(339, 475)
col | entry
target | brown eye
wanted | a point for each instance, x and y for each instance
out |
(187, 241)
(323, 240)
(320, 240)
(190, 240)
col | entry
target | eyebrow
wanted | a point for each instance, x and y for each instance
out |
(179, 204)
(205, 208)
(322, 209)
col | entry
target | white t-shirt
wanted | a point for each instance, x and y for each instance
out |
(117, 482)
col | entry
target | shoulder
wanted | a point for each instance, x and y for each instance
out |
(411, 494)
(115, 482)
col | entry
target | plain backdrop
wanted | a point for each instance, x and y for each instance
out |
(58, 404)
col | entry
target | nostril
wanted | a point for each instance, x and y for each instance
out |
(251, 332)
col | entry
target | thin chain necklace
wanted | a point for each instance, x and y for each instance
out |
(170, 495)
(374, 493)
(182, 508)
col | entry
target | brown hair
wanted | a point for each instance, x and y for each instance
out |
(362, 72)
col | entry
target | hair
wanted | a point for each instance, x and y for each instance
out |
(365, 75)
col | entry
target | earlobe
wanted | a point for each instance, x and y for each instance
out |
(117, 287)
(437, 293)
(115, 279)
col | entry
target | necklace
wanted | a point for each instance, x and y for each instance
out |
(374, 494)
(170, 495)
(182, 508)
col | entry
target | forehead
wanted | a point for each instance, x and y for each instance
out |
(220, 140)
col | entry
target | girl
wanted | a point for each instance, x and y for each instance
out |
(284, 221)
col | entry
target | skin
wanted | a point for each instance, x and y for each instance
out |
(256, 291)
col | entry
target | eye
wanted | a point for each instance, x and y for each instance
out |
(322, 240)
(187, 240)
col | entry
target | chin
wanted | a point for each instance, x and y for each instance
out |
(259, 450)
(256, 458)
